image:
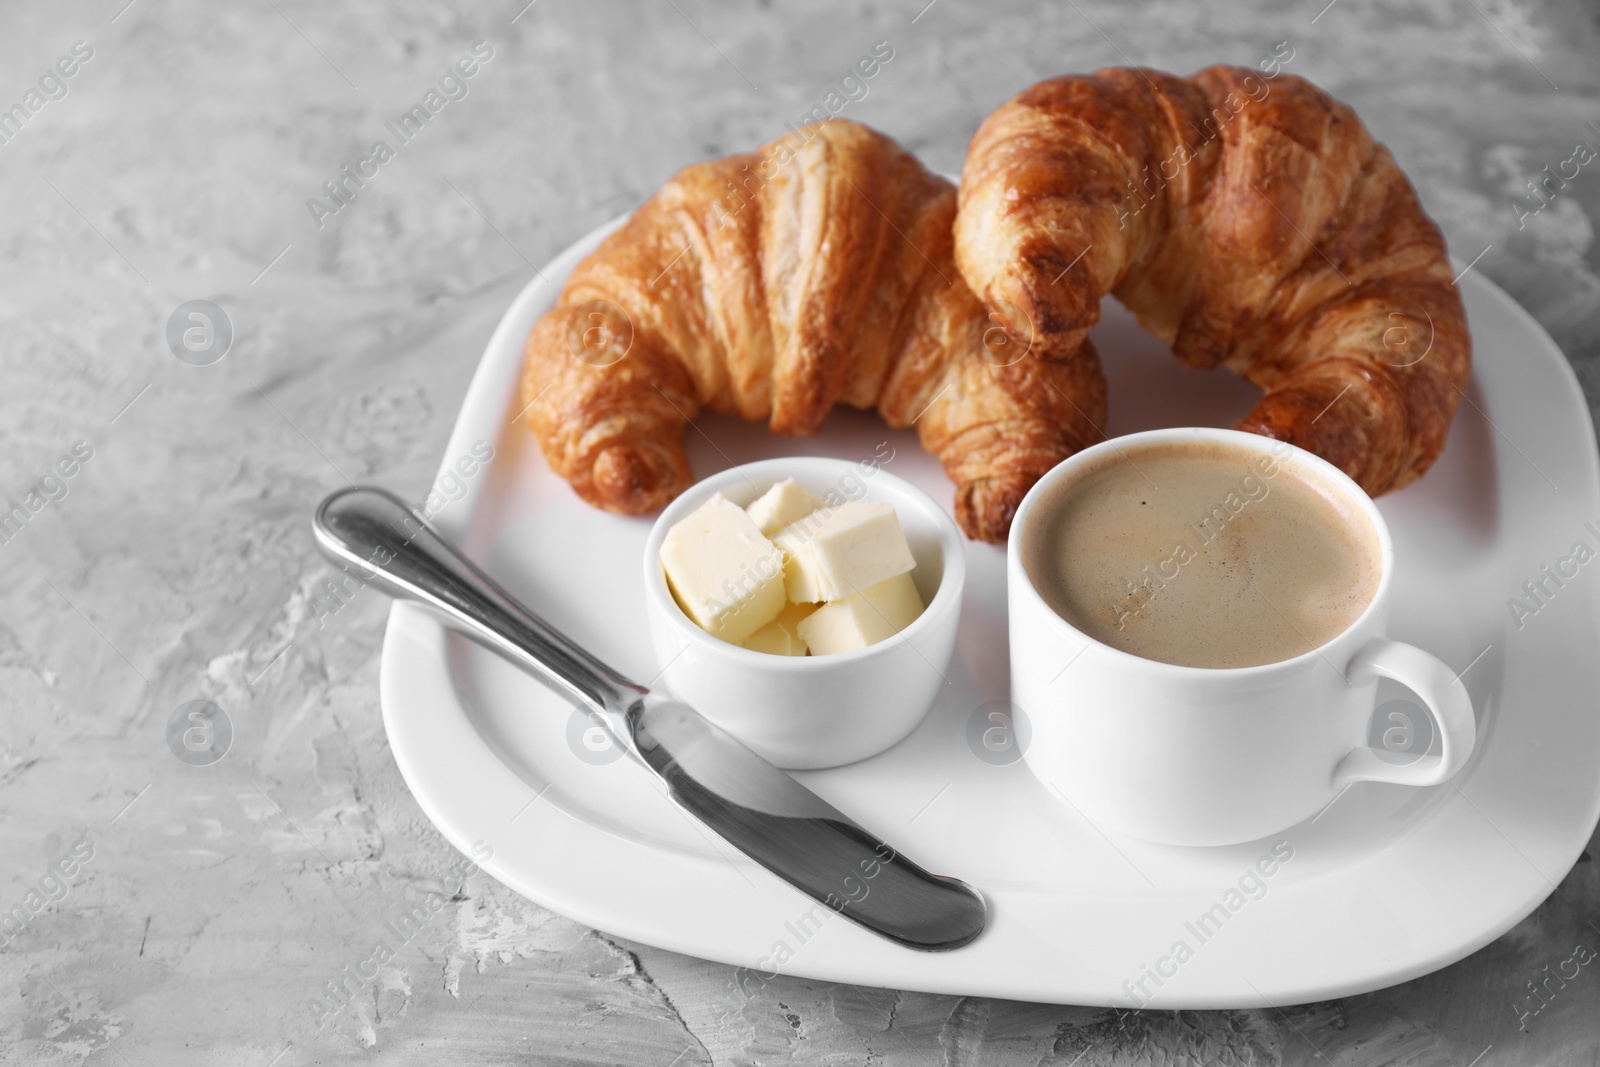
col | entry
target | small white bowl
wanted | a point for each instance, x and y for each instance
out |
(805, 712)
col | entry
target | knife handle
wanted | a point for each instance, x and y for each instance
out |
(394, 548)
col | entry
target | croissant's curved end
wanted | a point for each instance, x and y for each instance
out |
(999, 429)
(610, 420)
(1300, 412)
(985, 508)
(639, 477)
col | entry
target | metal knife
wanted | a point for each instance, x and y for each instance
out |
(751, 804)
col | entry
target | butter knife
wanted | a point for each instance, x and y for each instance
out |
(751, 804)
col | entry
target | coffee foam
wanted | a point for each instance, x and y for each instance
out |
(1205, 554)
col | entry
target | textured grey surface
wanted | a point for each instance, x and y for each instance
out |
(178, 566)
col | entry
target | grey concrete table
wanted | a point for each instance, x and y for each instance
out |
(176, 161)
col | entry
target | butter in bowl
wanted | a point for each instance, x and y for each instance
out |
(791, 575)
(806, 605)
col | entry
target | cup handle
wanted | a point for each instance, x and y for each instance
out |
(1447, 701)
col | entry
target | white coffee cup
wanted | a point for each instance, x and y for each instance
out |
(1211, 756)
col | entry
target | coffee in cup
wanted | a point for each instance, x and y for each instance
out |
(1201, 553)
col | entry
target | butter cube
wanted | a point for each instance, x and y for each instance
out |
(862, 619)
(724, 574)
(829, 555)
(785, 502)
(781, 636)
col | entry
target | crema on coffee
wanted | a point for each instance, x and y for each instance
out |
(1205, 554)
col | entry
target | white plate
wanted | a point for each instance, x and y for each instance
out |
(1387, 884)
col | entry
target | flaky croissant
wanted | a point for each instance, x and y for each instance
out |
(772, 285)
(1250, 222)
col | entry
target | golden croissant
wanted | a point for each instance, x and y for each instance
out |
(1250, 221)
(772, 285)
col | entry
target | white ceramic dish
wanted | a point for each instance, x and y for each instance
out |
(815, 711)
(1386, 884)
